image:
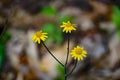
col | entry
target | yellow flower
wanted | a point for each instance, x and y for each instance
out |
(38, 36)
(68, 27)
(78, 53)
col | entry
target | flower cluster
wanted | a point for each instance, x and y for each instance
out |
(78, 53)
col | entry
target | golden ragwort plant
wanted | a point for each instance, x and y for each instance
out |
(78, 53)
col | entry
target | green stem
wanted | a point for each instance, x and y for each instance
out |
(72, 69)
(52, 54)
(67, 56)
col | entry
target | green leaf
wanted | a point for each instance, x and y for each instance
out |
(61, 72)
(116, 16)
(118, 34)
(49, 11)
(60, 69)
(54, 34)
(65, 19)
(58, 36)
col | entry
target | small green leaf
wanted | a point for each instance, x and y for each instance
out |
(54, 34)
(58, 36)
(61, 72)
(118, 34)
(49, 11)
(116, 16)
(60, 69)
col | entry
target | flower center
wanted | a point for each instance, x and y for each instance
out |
(68, 25)
(78, 51)
(38, 34)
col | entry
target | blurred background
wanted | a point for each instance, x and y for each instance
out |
(98, 31)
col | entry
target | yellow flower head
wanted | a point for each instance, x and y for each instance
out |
(68, 27)
(38, 36)
(78, 53)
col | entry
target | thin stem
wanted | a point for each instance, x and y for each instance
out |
(67, 50)
(52, 54)
(72, 69)
(67, 56)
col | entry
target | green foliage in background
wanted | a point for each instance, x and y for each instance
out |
(60, 71)
(54, 33)
(5, 37)
(1, 54)
(116, 18)
(65, 19)
(49, 11)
